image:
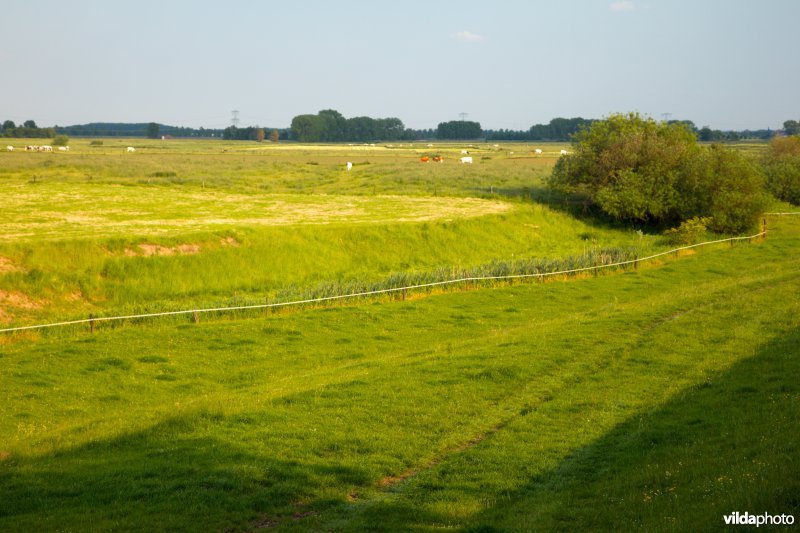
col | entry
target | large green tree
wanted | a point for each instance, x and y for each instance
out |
(308, 128)
(636, 169)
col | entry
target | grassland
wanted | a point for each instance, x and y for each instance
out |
(108, 232)
(658, 399)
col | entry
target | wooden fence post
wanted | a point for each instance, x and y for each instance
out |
(91, 323)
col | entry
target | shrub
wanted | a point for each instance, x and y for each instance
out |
(782, 168)
(638, 170)
(689, 232)
(60, 140)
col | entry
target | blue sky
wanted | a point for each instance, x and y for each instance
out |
(728, 64)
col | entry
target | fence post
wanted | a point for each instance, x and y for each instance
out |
(91, 323)
(196, 317)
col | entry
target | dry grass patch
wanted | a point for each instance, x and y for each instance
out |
(149, 250)
(7, 265)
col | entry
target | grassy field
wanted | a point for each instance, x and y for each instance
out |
(660, 398)
(107, 233)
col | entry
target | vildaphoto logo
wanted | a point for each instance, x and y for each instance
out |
(766, 519)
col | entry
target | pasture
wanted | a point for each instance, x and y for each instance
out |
(660, 398)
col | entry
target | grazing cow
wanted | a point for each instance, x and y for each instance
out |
(424, 159)
(63, 148)
(464, 152)
(563, 152)
(349, 165)
(131, 149)
(9, 148)
(438, 159)
(45, 148)
(467, 160)
(538, 151)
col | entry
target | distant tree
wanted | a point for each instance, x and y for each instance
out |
(260, 134)
(791, 127)
(9, 125)
(274, 135)
(308, 128)
(60, 140)
(153, 131)
(361, 129)
(334, 125)
(459, 129)
(29, 124)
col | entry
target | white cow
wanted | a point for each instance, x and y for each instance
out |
(464, 152)
(45, 148)
(131, 149)
(467, 160)
(63, 148)
(9, 148)
(538, 151)
(563, 152)
(349, 165)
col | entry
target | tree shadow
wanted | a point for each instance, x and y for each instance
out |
(729, 444)
(173, 476)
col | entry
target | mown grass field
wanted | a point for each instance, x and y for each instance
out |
(660, 398)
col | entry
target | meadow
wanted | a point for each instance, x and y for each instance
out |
(659, 398)
(100, 231)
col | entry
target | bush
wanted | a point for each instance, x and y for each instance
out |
(689, 232)
(60, 140)
(638, 170)
(782, 168)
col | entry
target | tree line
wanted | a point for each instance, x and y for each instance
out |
(330, 126)
(138, 129)
(28, 129)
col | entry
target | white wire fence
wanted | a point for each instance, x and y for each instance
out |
(92, 321)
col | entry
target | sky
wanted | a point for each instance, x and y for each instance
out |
(726, 64)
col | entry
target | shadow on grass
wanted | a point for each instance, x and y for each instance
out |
(170, 477)
(729, 444)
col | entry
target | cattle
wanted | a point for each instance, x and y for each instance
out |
(538, 151)
(563, 152)
(464, 152)
(45, 148)
(63, 148)
(467, 160)
(424, 159)
(438, 159)
(131, 149)
(9, 148)
(349, 165)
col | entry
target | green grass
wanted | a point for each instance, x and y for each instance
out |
(259, 222)
(656, 399)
